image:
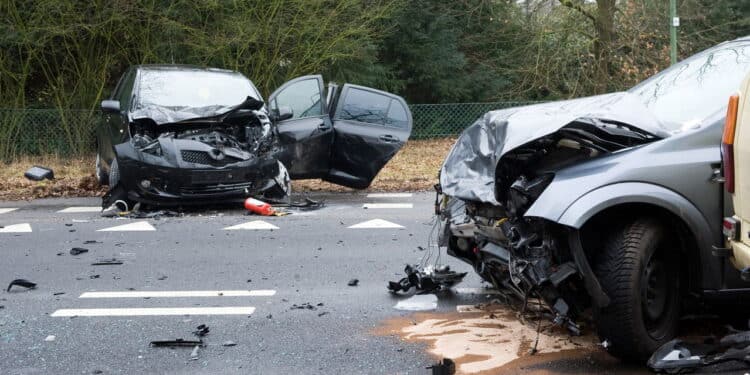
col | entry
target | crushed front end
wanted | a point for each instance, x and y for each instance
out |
(496, 171)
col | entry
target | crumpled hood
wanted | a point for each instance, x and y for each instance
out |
(468, 172)
(214, 113)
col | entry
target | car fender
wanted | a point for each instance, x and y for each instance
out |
(584, 207)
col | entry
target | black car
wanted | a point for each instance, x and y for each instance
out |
(184, 134)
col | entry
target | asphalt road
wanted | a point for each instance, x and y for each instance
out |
(170, 266)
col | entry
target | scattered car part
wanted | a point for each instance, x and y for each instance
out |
(37, 173)
(444, 367)
(678, 356)
(229, 343)
(194, 353)
(353, 282)
(201, 330)
(427, 279)
(107, 262)
(177, 343)
(258, 207)
(22, 283)
(78, 251)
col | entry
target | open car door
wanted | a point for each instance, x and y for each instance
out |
(305, 137)
(370, 127)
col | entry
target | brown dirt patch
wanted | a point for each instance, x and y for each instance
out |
(414, 168)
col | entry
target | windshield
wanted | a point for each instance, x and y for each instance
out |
(695, 88)
(193, 89)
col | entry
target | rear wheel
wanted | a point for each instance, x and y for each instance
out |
(114, 173)
(639, 271)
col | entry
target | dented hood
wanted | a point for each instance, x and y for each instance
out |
(468, 172)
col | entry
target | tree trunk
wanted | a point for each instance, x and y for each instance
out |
(605, 35)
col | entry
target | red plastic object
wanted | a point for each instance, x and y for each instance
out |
(259, 207)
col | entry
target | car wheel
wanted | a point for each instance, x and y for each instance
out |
(640, 275)
(100, 175)
(114, 173)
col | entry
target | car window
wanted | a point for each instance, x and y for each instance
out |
(697, 87)
(365, 106)
(303, 97)
(397, 115)
(126, 91)
(193, 88)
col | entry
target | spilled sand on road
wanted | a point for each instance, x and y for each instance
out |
(482, 341)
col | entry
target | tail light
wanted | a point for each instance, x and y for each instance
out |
(731, 228)
(727, 143)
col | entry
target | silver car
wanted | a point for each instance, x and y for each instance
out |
(612, 202)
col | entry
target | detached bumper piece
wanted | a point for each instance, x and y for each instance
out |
(678, 356)
(426, 280)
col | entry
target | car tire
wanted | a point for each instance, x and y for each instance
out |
(641, 277)
(101, 177)
(114, 173)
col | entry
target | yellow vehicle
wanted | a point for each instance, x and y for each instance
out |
(735, 149)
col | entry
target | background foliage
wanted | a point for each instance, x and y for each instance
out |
(68, 54)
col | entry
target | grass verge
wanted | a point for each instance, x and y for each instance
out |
(414, 168)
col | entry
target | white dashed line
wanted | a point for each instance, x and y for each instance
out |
(16, 228)
(387, 205)
(389, 195)
(156, 311)
(182, 293)
(78, 210)
(479, 291)
(253, 225)
(375, 224)
(6, 210)
(141, 226)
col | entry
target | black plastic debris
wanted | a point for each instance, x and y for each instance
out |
(353, 282)
(323, 313)
(444, 367)
(177, 343)
(78, 251)
(22, 283)
(93, 277)
(426, 280)
(37, 173)
(229, 343)
(679, 356)
(87, 242)
(201, 330)
(107, 262)
(58, 293)
(304, 306)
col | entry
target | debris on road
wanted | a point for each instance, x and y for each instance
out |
(177, 343)
(201, 330)
(58, 293)
(78, 251)
(21, 282)
(419, 302)
(353, 282)
(322, 313)
(194, 353)
(304, 306)
(107, 262)
(444, 367)
(37, 173)
(229, 343)
(426, 279)
(679, 356)
(259, 207)
(87, 242)
(50, 338)
(94, 277)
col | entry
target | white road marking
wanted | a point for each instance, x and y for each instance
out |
(253, 225)
(375, 224)
(78, 210)
(480, 291)
(156, 311)
(6, 210)
(387, 205)
(16, 228)
(141, 226)
(185, 293)
(389, 195)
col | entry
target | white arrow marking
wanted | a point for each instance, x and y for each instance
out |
(389, 195)
(375, 224)
(78, 210)
(387, 205)
(16, 228)
(141, 226)
(153, 311)
(253, 225)
(6, 210)
(181, 293)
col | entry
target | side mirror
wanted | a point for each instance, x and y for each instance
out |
(111, 105)
(281, 114)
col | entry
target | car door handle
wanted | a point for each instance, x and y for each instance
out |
(388, 138)
(324, 126)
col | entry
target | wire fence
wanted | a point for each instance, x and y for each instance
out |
(25, 132)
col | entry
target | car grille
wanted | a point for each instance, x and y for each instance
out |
(216, 188)
(201, 157)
